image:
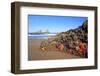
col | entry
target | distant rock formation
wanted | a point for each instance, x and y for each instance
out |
(41, 32)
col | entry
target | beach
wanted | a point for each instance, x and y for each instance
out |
(35, 53)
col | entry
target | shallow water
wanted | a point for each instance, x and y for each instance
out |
(40, 36)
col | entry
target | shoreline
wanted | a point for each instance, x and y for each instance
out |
(35, 53)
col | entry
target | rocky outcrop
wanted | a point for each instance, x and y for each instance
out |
(75, 41)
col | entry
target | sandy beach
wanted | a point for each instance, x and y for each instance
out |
(35, 53)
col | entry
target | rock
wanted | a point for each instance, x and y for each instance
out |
(70, 39)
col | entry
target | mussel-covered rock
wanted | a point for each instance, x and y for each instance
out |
(74, 40)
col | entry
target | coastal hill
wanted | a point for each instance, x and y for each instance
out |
(70, 40)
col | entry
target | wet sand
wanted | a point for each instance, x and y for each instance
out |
(35, 53)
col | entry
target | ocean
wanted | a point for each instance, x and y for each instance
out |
(40, 36)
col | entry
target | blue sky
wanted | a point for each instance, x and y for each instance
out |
(53, 23)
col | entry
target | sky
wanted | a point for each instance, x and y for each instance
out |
(53, 23)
